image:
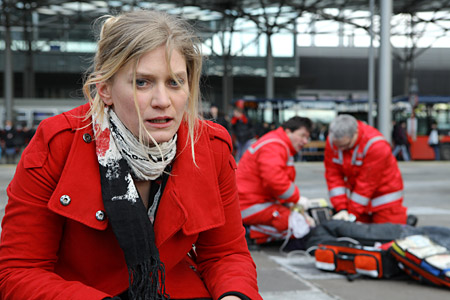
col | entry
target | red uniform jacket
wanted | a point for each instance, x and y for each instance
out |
(366, 178)
(266, 172)
(55, 247)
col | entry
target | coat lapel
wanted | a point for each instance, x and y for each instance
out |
(191, 201)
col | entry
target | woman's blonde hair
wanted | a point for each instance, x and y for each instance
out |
(126, 38)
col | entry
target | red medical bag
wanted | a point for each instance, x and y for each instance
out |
(423, 260)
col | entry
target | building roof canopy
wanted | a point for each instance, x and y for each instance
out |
(73, 19)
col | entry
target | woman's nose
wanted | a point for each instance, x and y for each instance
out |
(160, 97)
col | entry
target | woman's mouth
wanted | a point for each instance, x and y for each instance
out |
(159, 120)
(162, 122)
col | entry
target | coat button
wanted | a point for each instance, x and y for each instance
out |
(100, 215)
(65, 200)
(87, 138)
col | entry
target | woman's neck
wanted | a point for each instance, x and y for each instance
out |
(143, 188)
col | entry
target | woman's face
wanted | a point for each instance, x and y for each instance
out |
(161, 100)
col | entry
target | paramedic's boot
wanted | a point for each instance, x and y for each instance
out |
(411, 220)
(251, 244)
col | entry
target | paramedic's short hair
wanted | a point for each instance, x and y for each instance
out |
(343, 126)
(297, 122)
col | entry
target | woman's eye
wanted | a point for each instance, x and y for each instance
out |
(176, 83)
(140, 82)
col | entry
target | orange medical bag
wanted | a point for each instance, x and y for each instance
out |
(355, 260)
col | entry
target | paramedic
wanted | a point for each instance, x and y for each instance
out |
(265, 178)
(362, 175)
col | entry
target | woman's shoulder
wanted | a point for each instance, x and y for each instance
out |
(71, 118)
(220, 144)
(57, 130)
(217, 132)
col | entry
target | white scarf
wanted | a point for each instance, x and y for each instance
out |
(146, 163)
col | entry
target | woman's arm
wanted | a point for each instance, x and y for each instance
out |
(223, 259)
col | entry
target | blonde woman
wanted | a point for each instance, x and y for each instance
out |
(129, 196)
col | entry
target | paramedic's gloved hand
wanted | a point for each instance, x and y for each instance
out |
(341, 215)
(344, 215)
(310, 221)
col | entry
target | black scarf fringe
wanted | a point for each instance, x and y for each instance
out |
(134, 232)
(147, 281)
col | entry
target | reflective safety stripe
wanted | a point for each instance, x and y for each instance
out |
(255, 209)
(355, 152)
(253, 148)
(370, 142)
(337, 191)
(340, 159)
(387, 198)
(366, 148)
(270, 239)
(337, 161)
(289, 192)
(290, 161)
(269, 230)
(355, 197)
(384, 199)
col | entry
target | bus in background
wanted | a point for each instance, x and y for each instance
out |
(419, 117)
(30, 112)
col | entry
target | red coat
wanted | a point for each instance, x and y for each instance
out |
(368, 173)
(266, 172)
(53, 251)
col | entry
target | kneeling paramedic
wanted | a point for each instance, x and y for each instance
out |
(363, 178)
(265, 179)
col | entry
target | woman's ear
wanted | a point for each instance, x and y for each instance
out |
(104, 91)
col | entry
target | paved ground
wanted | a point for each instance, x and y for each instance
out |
(283, 277)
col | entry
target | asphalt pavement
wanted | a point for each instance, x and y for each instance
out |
(288, 277)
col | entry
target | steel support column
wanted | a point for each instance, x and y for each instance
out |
(385, 74)
(269, 68)
(8, 75)
(270, 78)
(371, 71)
